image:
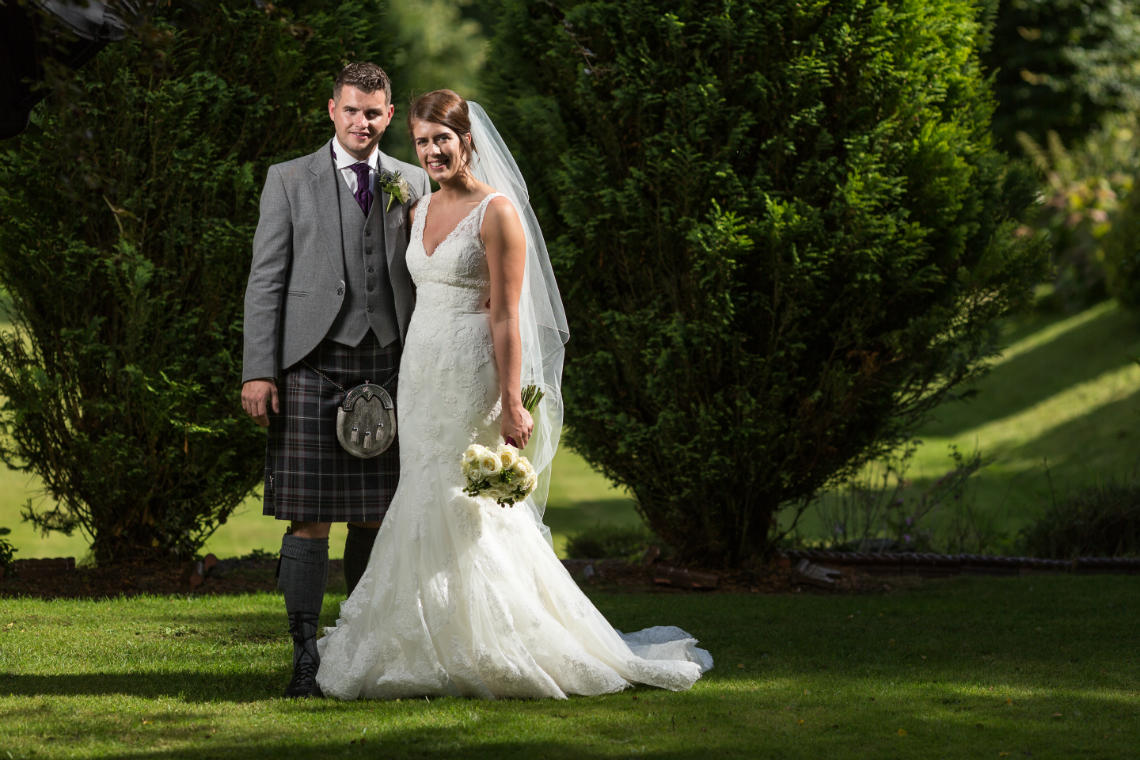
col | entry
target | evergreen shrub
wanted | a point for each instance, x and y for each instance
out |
(129, 208)
(781, 231)
(7, 553)
(1102, 521)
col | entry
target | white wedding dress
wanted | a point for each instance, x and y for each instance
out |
(462, 596)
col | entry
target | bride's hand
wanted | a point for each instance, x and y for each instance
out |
(516, 425)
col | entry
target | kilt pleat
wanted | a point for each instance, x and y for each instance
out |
(308, 476)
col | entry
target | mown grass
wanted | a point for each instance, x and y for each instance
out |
(579, 499)
(1042, 667)
(1057, 412)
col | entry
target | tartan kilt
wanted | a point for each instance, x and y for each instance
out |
(308, 476)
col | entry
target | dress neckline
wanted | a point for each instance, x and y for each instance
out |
(423, 222)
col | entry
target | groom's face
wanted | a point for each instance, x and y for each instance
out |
(360, 119)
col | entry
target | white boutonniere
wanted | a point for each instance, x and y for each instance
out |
(393, 184)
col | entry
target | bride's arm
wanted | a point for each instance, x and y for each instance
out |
(505, 243)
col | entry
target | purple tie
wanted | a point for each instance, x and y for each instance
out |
(363, 192)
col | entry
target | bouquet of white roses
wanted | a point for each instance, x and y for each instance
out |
(500, 473)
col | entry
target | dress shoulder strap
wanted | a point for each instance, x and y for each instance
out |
(420, 207)
(483, 207)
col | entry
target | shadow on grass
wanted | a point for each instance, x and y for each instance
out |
(1047, 469)
(964, 668)
(418, 743)
(1103, 343)
(1107, 433)
(189, 685)
(581, 516)
(942, 719)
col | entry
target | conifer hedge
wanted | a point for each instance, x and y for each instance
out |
(781, 231)
(129, 206)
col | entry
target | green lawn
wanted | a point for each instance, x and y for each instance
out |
(1057, 411)
(579, 499)
(1042, 667)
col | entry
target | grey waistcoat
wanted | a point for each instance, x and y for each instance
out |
(368, 301)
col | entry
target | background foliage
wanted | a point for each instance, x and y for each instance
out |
(427, 45)
(1122, 247)
(131, 202)
(781, 232)
(1067, 80)
(1061, 66)
(1082, 189)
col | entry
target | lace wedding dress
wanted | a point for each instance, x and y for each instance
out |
(462, 596)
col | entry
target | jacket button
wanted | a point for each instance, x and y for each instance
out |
(340, 289)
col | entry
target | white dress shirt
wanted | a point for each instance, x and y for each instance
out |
(344, 162)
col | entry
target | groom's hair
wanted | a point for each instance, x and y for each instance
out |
(366, 77)
(444, 107)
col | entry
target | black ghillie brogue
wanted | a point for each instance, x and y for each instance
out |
(306, 660)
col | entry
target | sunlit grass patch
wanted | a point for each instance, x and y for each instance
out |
(964, 668)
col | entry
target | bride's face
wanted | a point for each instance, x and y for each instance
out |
(440, 150)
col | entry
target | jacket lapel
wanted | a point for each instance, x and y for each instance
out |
(395, 218)
(323, 185)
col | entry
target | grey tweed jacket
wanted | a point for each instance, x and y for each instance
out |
(296, 280)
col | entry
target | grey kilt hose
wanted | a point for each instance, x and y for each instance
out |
(308, 476)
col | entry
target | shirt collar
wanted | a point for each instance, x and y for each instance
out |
(345, 160)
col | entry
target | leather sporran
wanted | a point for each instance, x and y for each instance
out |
(366, 421)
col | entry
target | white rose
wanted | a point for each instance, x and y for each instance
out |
(472, 454)
(508, 456)
(490, 463)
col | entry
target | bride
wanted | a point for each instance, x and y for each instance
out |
(462, 596)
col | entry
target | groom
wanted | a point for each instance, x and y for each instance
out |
(326, 308)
